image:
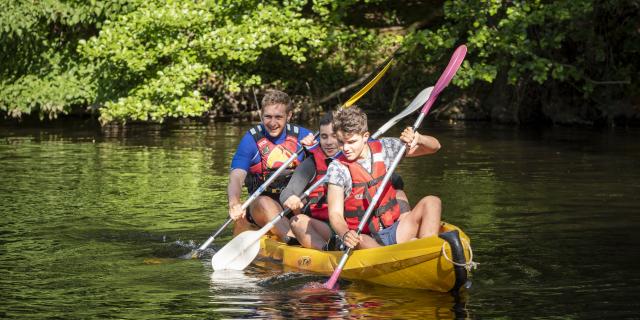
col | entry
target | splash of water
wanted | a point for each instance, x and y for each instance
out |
(195, 253)
(318, 285)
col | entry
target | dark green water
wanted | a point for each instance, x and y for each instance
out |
(93, 223)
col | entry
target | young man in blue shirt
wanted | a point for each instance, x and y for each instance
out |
(262, 150)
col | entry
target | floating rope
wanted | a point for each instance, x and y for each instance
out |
(471, 265)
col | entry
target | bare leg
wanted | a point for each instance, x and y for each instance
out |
(311, 233)
(423, 221)
(430, 225)
(242, 225)
(367, 242)
(408, 226)
(264, 209)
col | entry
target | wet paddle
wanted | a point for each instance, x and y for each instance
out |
(443, 81)
(254, 195)
(382, 70)
(241, 250)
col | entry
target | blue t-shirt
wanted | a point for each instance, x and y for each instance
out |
(247, 153)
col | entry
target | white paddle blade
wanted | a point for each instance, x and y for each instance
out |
(245, 259)
(417, 102)
(238, 253)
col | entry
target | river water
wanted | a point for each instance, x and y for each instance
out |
(93, 224)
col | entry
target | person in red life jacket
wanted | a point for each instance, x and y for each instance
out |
(312, 227)
(353, 180)
(262, 150)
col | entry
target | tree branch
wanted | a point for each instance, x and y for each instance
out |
(344, 89)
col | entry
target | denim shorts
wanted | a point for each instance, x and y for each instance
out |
(388, 235)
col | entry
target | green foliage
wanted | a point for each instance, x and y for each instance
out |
(40, 69)
(154, 62)
(579, 57)
(149, 60)
(49, 95)
(521, 37)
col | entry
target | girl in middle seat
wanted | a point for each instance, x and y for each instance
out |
(354, 178)
(312, 228)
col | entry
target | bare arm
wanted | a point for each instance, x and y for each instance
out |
(419, 145)
(234, 190)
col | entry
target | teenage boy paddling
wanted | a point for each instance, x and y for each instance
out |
(262, 150)
(310, 225)
(355, 177)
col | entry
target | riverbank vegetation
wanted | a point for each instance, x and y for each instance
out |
(564, 62)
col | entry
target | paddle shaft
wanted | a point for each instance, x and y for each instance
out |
(258, 192)
(235, 254)
(443, 81)
(286, 211)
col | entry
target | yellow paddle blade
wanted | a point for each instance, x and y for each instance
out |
(368, 86)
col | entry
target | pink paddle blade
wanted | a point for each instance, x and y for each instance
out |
(447, 75)
(331, 283)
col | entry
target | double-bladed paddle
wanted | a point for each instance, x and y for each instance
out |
(443, 81)
(241, 250)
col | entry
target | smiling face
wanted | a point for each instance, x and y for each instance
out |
(352, 144)
(328, 140)
(274, 118)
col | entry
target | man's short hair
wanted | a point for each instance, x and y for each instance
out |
(276, 97)
(326, 119)
(350, 120)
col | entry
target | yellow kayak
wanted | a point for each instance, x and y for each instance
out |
(420, 264)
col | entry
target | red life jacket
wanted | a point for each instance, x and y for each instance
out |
(272, 156)
(364, 187)
(318, 198)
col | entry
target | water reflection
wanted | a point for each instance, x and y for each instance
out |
(267, 291)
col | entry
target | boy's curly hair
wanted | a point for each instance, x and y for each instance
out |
(276, 97)
(350, 120)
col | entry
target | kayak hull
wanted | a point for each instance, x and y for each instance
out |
(418, 264)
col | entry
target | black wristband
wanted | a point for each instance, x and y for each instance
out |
(344, 235)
